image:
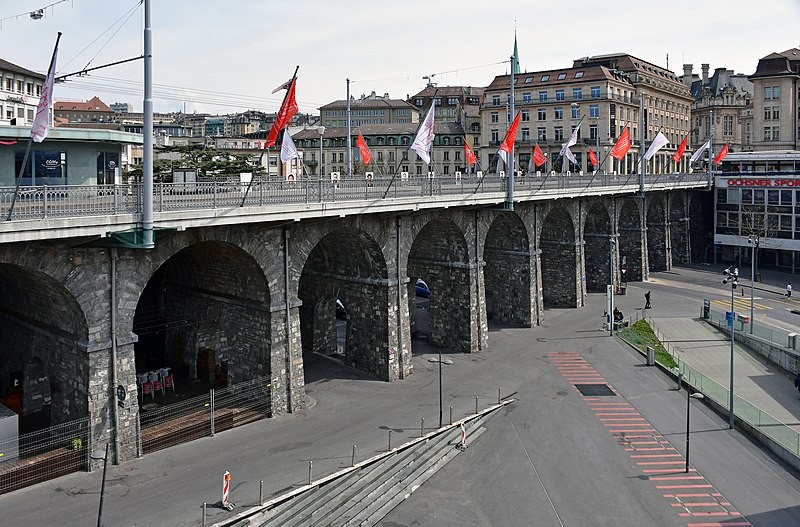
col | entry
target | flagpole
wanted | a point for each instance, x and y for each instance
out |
(349, 138)
(641, 145)
(30, 138)
(710, 145)
(608, 153)
(510, 176)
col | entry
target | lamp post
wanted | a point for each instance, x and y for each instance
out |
(754, 241)
(440, 361)
(611, 320)
(321, 131)
(597, 140)
(99, 454)
(689, 397)
(732, 276)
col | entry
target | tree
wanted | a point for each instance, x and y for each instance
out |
(757, 224)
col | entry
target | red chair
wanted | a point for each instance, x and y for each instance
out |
(155, 379)
(169, 381)
(147, 387)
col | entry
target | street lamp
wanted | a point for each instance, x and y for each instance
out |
(321, 131)
(611, 320)
(99, 454)
(689, 397)
(754, 240)
(440, 361)
(732, 276)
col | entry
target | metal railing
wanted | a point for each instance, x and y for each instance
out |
(43, 455)
(67, 201)
(777, 336)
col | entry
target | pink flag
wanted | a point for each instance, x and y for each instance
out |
(41, 123)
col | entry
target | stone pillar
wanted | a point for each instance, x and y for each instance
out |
(287, 378)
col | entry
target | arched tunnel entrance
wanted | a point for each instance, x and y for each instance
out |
(657, 253)
(204, 314)
(559, 260)
(630, 241)
(679, 230)
(507, 275)
(596, 234)
(345, 293)
(44, 363)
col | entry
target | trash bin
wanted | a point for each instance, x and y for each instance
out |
(651, 356)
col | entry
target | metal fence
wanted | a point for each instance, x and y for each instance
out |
(45, 454)
(778, 336)
(92, 200)
(202, 416)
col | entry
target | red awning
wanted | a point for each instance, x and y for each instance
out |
(9, 142)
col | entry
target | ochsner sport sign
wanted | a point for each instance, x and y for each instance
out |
(757, 182)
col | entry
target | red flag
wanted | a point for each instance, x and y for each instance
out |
(366, 157)
(681, 150)
(469, 155)
(592, 158)
(285, 114)
(508, 142)
(622, 146)
(722, 153)
(539, 158)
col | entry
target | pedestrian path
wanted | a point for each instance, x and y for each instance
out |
(740, 304)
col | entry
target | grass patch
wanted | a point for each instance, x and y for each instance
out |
(641, 335)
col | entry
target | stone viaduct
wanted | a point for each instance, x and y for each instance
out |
(261, 294)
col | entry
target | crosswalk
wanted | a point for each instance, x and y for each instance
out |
(740, 304)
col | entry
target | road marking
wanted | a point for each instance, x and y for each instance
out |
(739, 304)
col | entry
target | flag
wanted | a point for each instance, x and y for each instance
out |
(681, 150)
(285, 114)
(41, 123)
(366, 157)
(508, 142)
(573, 139)
(659, 141)
(284, 86)
(288, 150)
(700, 151)
(569, 155)
(722, 153)
(592, 158)
(424, 140)
(622, 146)
(469, 155)
(538, 156)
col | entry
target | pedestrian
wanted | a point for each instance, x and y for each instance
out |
(647, 300)
(797, 381)
(789, 290)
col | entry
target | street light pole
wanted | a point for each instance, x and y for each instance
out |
(732, 274)
(102, 485)
(754, 241)
(611, 286)
(689, 397)
(321, 130)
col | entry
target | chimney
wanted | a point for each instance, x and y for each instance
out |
(705, 74)
(687, 74)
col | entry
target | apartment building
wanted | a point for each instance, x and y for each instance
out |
(776, 94)
(369, 109)
(92, 111)
(458, 104)
(20, 90)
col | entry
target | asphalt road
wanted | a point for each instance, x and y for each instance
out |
(547, 460)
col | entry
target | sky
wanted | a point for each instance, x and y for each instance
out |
(227, 57)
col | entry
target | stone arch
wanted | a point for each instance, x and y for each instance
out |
(559, 259)
(205, 312)
(630, 240)
(701, 237)
(44, 359)
(596, 232)
(658, 257)
(440, 256)
(348, 264)
(679, 228)
(508, 273)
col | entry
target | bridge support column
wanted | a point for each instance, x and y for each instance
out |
(286, 360)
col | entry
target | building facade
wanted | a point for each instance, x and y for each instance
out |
(368, 109)
(20, 90)
(92, 111)
(776, 114)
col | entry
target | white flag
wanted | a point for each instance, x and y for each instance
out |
(569, 155)
(288, 150)
(424, 140)
(659, 141)
(700, 151)
(573, 139)
(41, 123)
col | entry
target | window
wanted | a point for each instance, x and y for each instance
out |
(495, 100)
(558, 113)
(542, 114)
(562, 76)
(29, 88)
(542, 96)
(526, 134)
(9, 84)
(545, 78)
(20, 84)
(772, 93)
(525, 115)
(30, 114)
(576, 112)
(595, 92)
(495, 136)
(594, 110)
(578, 74)
(577, 93)
(526, 97)
(446, 155)
(559, 133)
(772, 133)
(437, 101)
(380, 155)
(727, 125)
(560, 95)
(541, 134)
(43, 164)
(528, 80)
(495, 117)
(458, 155)
(452, 100)
(593, 132)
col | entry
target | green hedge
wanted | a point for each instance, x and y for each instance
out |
(641, 335)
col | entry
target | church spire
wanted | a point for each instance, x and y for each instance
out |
(515, 65)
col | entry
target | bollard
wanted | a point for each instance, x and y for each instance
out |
(310, 470)
(261, 493)
(353, 459)
(651, 356)
(680, 379)
(390, 441)
(226, 491)
(499, 399)
(476, 405)
(204, 514)
(451, 415)
(422, 427)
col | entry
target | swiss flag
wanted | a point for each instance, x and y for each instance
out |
(469, 155)
(363, 149)
(681, 149)
(539, 158)
(592, 157)
(508, 142)
(285, 114)
(722, 153)
(622, 146)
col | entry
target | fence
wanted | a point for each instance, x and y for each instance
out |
(777, 336)
(45, 454)
(93, 200)
(204, 415)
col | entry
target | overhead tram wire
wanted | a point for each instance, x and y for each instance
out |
(31, 12)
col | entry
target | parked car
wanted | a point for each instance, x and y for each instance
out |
(422, 289)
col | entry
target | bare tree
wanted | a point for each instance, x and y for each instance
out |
(757, 224)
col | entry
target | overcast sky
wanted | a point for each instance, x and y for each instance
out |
(227, 56)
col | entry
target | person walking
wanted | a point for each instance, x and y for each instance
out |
(789, 290)
(647, 300)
